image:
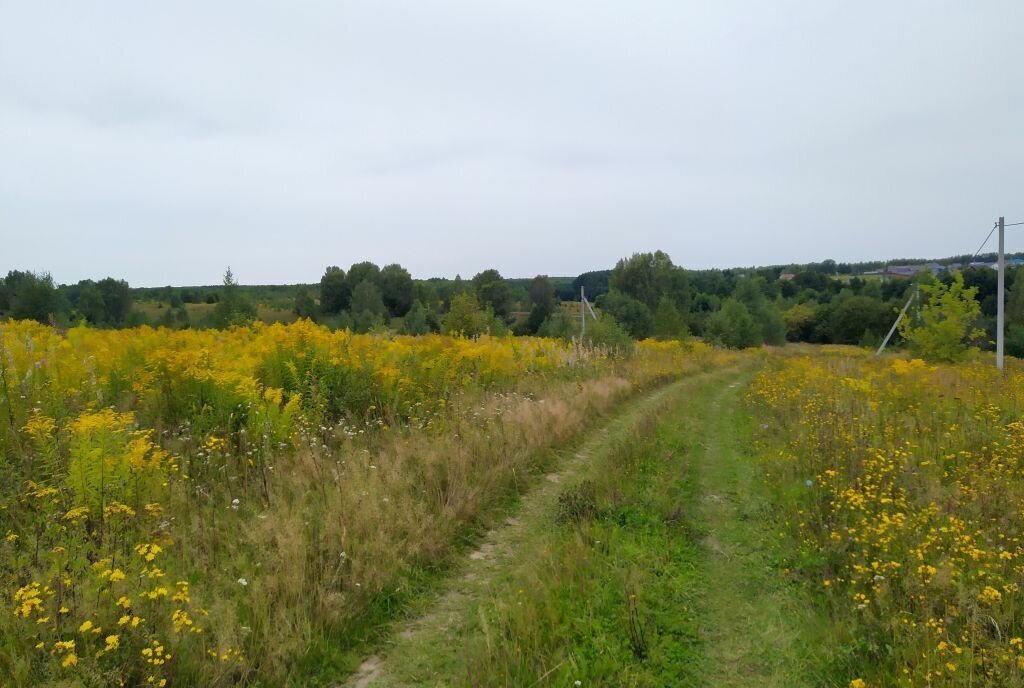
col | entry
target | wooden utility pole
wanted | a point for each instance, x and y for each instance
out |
(1001, 297)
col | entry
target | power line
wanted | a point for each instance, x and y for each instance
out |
(1013, 224)
(986, 241)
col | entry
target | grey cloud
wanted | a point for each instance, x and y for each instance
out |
(161, 142)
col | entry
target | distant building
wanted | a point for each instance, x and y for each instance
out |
(786, 276)
(908, 271)
(904, 271)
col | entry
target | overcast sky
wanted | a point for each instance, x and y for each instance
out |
(162, 141)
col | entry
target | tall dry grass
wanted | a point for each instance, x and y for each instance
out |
(346, 529)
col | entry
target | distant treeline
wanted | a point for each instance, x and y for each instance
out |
(645, 295)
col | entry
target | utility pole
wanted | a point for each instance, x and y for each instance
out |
(1001, 297)
(913, 297)
(583, 313)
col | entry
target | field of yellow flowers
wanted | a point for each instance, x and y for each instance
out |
(244, 506)
(902, 484)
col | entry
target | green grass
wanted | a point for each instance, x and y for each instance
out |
(758, 628)
(652, 562)
(609, 597)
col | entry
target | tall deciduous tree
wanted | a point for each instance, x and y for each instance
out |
(647, 277)
(594, 284)
(363, 272)
(34, 296)
(396, 289)
(542, 296)
(493, 292)
(366, 298)
(117, 300)
(90, 303)
(335, 292)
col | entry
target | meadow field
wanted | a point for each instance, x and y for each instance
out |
(272, 505)
(900, 488)
(511, 345)
(247, 506)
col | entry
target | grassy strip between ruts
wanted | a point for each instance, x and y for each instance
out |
(656, 550)
(610, 594)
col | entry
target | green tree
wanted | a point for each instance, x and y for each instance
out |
(668, 323)
(9, 286)
(630, 313)
(182, 318)
(1015, 316)
(117, 300)
(542, 292)
(234, 307)
(396, 289)
(647, 277)
(1015, 300)
(800, 320)
(466, 317)
(594, 284)
(542, 295)
(90, 304)
(107, 302)
(363, 272)
(368, 309)
(335, 292)
(733, 326)
(492, 291)
(537, 317)
(750, 291)
(305, 305)
(856, 315)
(1014, 344)
(947, 321)
(34, 297)
(416, 322)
